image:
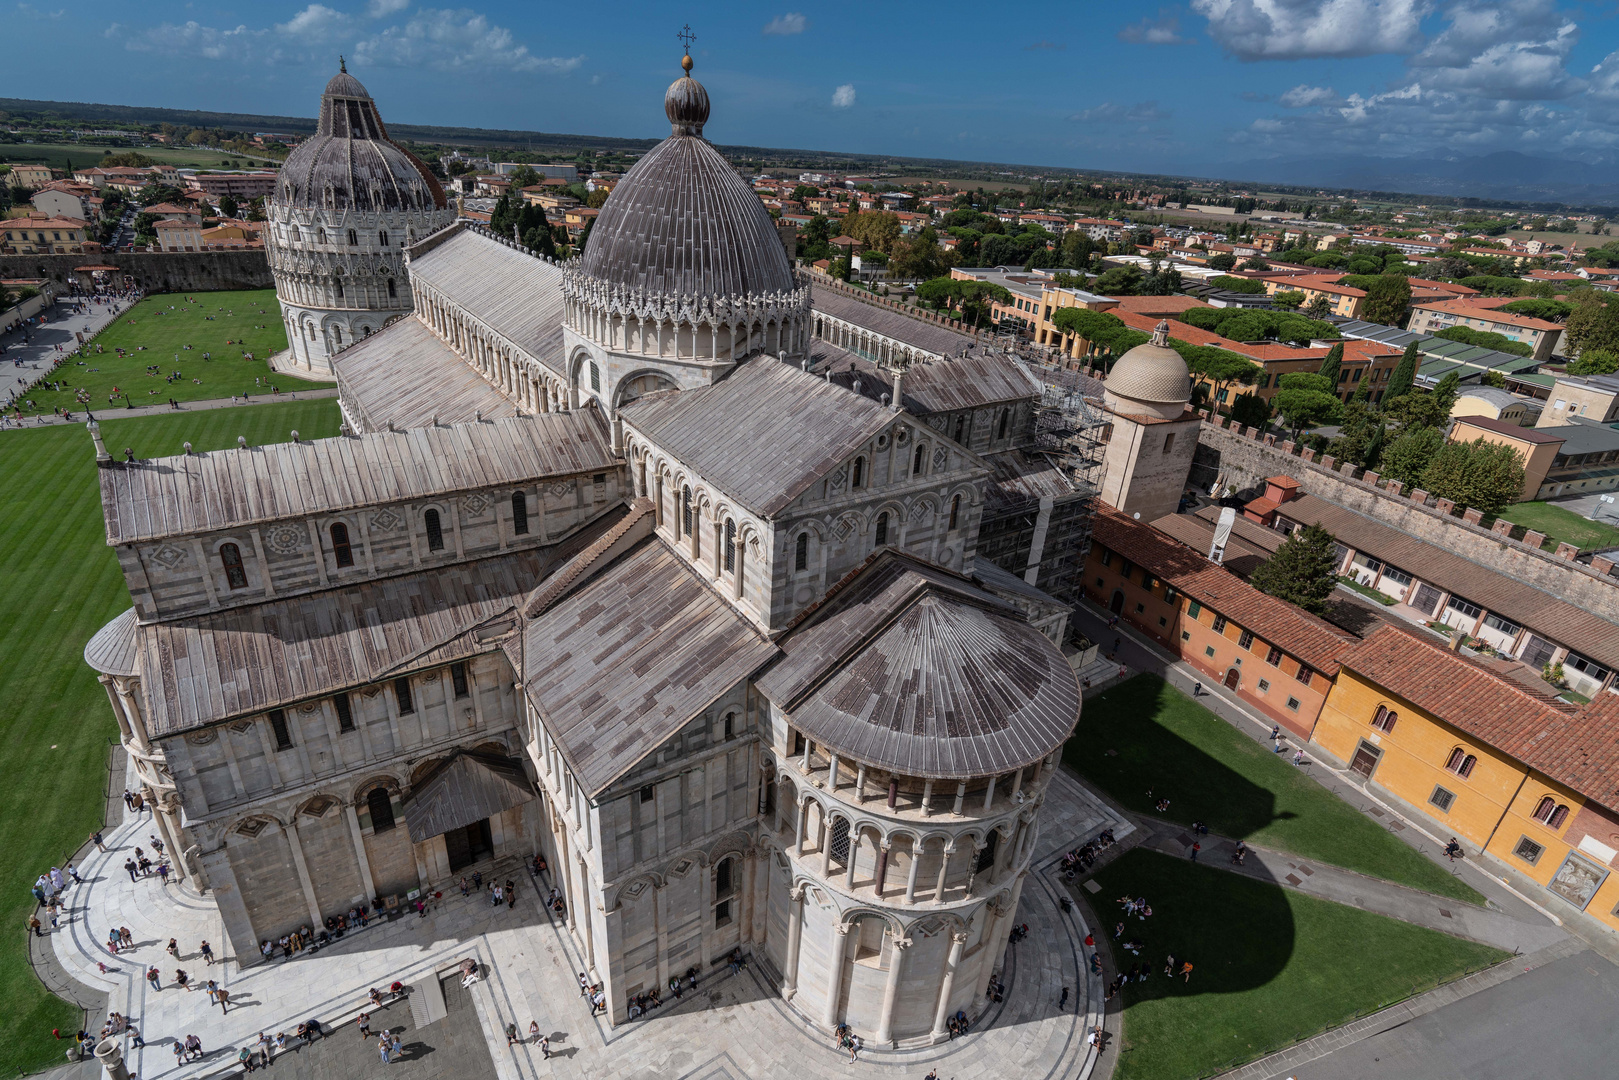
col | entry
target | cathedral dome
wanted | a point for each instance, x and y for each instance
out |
(682, 222)
(1151, 372)
(350, 163)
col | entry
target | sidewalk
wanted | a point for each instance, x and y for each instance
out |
(40, 355)
(81, 415)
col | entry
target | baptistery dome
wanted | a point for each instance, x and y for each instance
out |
(351, 163)
(682, 222)
(1151, 372)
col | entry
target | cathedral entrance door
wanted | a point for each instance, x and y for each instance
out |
(469, 844)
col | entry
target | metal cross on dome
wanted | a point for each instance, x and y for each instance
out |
(686, 37)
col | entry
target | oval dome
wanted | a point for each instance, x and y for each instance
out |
(350, 163)
(682, 222)
(1151, 372)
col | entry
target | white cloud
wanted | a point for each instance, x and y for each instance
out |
(1302, 29)
(1304, 95)
(1513, 50)
(194, 39)
(1163, 30)
(317, 22)
(843, 96)
(29, 11)
(458, 40)
(1109, 112)
(787, 25)
(379, 8)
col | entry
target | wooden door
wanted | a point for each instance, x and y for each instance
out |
(1365, 759)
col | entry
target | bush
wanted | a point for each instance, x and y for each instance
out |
(1238, 284)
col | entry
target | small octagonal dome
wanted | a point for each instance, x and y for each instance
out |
(1151, 372)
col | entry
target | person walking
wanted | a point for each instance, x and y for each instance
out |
(511, 894)
(130, 867)
(153, 977)
(545, 1046)
(534, 1030)
(1196, 847)
(364, 1021)
(173, 948)
(207, 953)
(1062, 1002)
(512, 1038)
(1186, 970)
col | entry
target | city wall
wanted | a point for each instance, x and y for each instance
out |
(1241, 459)
(153, 271)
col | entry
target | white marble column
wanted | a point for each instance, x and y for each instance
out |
(941, 1013)
(359, 852)
(834, 975)
(944, 868)
(795, 933)
(896, 969)
(303, 873)
(910, 874)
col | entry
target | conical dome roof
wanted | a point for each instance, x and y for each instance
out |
(682, 222)
(351, 163)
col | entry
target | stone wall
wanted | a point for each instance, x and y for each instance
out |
(154, 271)
(1243, 459)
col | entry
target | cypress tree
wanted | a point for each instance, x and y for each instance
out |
(1405, 373)
(1333, 364)
(1301, 571)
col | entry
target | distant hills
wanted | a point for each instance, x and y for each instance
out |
(1505, 175)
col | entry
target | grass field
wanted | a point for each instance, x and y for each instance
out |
(57, 154)
(1269, 967)
(63, 585)
(156, 331)
(1562, 524)
(1144, 735)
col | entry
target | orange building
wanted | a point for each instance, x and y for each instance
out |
(1276, 657)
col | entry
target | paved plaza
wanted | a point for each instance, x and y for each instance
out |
(736, 1026)
(21, 363)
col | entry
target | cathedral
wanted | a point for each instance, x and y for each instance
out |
(739, 597)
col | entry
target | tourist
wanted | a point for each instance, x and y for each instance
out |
(534, 1029)
(207, 953)
(1186, 970)
(154, 978)
(244, 1058)
(364, 1021)
(1062, 1002)
(511, 1036)
(545, 1046)
(173, 948)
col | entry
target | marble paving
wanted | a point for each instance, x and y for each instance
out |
(735, 1026)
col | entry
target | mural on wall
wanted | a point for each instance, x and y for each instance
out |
(1577, 880)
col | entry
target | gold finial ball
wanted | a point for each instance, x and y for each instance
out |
(685, 62)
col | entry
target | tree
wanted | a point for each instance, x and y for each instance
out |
(1319, 307)
(805, 191)
(1499, 380)
(1255, 263)
(523, 176)
(1250, 410)
(1119, 281)
(228, 206)
(1304, 400)
(1332, 366)
(1407, 457)
(1387, 300)
(1591, 362)
(1303, 571)
(502, 216)
(875, 229)
(1485, 476)
(1593, 324)
(1484, 339)
(1222, 262)
(1288, 299)
(919, 258)
(1404, 374)
(1077, 247)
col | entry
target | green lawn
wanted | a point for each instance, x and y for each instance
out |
(1269, 967)
(1167, 743)
(156, 332)
(62, 585)
(1561, 524)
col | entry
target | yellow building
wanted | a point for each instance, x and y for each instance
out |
(1344, 300)
(44, 236)
(1503, 768)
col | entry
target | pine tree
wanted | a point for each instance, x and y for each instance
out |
(1405, 373)
(1302, 571)
(1333, 364)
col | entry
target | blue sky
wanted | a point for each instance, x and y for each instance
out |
(1178, 87)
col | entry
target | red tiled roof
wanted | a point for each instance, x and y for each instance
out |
(1157, 305)
(1463, 693)
(1509, 429)
(1583, 752)
(1313, 641)
(1473, 309)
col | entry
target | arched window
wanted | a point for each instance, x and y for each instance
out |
(859, 472)
(337, 334)
(342, 550)
(955, 510)
(381, 808)
(595, 377)
(840, 839)
(801, 556)
(685, 510)
(961, 427)
(724, 891)
(337, 283)
(730, 547)
(1000, 432)
(354, 238)
(882, 528)
(230, 556)
(918, 460)
(519, 513)
(365, 331)
(1551, 813)
(382, 237)
(435, 531)
(1385, 718)
(391, 291)
(1461, 763)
